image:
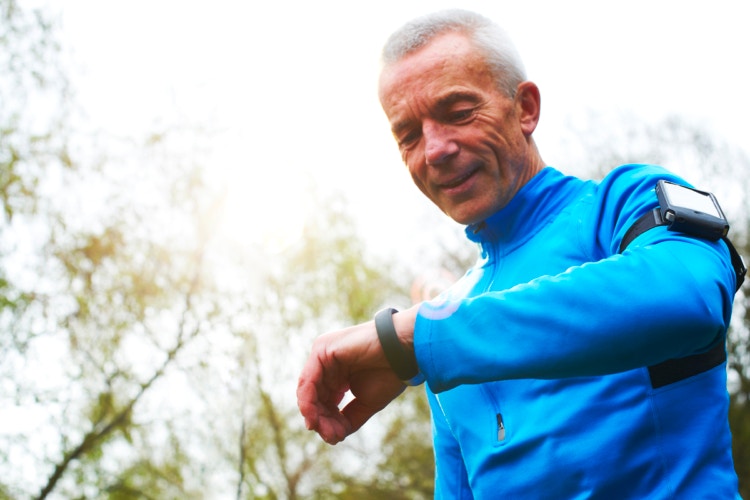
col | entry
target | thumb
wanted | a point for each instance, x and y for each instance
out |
(357, 413)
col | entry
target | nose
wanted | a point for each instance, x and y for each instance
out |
(439, 145)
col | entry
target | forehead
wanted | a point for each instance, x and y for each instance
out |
(448, 65)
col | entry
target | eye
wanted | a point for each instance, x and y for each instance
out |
(408, 138)
(459, 115)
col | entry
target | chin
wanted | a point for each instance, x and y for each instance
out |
(469, 217)
(465, 219)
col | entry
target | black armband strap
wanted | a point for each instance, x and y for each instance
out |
(645, 222)
(402, 363)
(674, 370)
(654, 218)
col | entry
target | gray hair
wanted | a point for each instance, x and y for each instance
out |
(499, 52)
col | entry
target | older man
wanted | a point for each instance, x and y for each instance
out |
(583, 355)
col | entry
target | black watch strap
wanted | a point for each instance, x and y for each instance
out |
(402, 363)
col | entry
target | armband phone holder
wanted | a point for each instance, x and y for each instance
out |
(690, 211)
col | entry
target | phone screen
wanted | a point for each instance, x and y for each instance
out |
(680, 196)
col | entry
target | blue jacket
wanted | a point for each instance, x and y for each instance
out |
(536, 360)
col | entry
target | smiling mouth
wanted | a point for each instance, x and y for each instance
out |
(458, 181)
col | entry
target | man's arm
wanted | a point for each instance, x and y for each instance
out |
(668, 297)
(351, 359)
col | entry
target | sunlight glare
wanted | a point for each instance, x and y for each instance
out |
(265, 212)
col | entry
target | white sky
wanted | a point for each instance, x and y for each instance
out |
(291, 85)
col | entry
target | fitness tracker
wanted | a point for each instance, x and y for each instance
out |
(402, 363)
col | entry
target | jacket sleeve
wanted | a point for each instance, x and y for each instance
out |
(667, 296)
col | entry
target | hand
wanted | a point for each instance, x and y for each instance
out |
(349, 359)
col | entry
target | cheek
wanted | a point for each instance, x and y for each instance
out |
(412, 154)
(414, 162)
(421, 186)
(417, 172)
(491, 133)
(495, 129)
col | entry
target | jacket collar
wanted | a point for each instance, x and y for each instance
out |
(535, 204)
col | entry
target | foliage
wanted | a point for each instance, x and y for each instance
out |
(129, 371)
(324, 281)
(739, 367)
(405, 467)
(32, 78)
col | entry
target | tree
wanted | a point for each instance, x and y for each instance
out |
(31, 73)
(325, 281)
(85, 282)
(102, 295)
(121, 354)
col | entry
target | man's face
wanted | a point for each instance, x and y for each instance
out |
(467, 144)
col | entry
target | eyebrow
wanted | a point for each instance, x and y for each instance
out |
(454, 97)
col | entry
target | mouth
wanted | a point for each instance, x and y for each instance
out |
(457, 182)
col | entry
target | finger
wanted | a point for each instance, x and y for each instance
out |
(307, 396)
(318, 403)
(334, 428)
(307, 406)
(312, 394)
(357, 414)
(318, 416)
(325, 419)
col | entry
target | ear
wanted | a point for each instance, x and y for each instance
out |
(528, 105)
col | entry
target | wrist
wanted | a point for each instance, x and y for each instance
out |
(398, 348)
(404, 322)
